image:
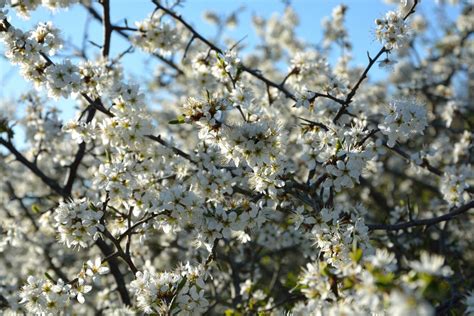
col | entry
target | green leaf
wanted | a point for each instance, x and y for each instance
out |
(35, 208)
(181, 284)
(231, 312)
(323, 267)
(338, 146)
(178, 288)
(384, 280)
(93, 207)
(266, 260)
(49, 277)
(108, 157)
(178, 120)
(291, 280)
(348, 283)
(356, 255)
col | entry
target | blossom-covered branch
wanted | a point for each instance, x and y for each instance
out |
(236, 180)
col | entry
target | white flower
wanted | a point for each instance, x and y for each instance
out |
(226, 67)
(298, 217)
(403, 120)
(154, 291)
(80, 131)
(241, 96)
(469, 302)
(344, 173)
(62, 79)
(402, 304)
(208, 113)
(305, 99)
(77, 223)
(453, 184)
(431, 264)
(154, 35)
(315, 282)
(81, 289)
(44, 297)
(96, 267)
(392, 30)
(383, 259)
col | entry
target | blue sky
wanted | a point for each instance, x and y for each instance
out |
(359, 20)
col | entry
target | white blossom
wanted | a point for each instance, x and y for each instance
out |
(78, 223)
(403, 119)
(392, 30)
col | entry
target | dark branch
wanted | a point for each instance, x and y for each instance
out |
(50, 182)
(363, 76)
(122, 33)
(253, 72)
(424, 222)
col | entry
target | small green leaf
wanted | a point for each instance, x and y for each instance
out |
(348, 283)
(178, 120)
(231, 312)
(49, 277)
(35, 208)
(291, 280)
(356, 255)
(384, 280)
(181, 284)
(338, 146)
(179, 288)
(108, 157)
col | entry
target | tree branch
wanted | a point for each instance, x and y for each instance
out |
(363, 76)
(50, 182)
(253, 72)
(424, 222)
(121, 31)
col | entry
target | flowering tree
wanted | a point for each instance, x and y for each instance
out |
(269, 182)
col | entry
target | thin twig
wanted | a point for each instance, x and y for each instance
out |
(363, 76)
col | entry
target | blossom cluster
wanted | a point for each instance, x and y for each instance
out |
(24, 7)
(453, 184)
(26, 47)
(180, 291)
(392, 30)
(31, 50)
(372, 283)
(49, 297)
(227, 66)
(154, 35)
(207, 113)
(403, 120)
(43, 297)
(78, 223)
(334, 28)
(257, 145)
